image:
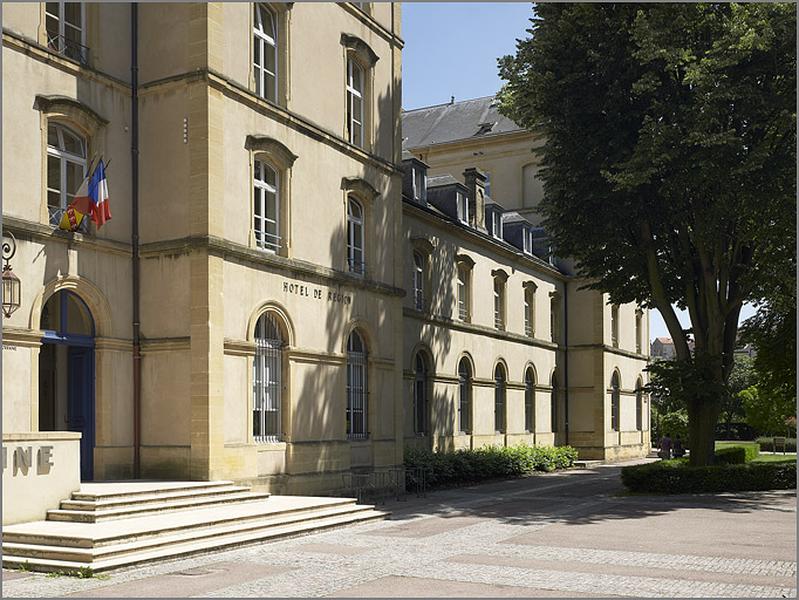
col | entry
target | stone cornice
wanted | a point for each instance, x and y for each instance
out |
(38, 52)
(440, 321)
(293, 267)
(32, 231)
(610, 350)
(373, 24)
(242, 94)
(458, 230)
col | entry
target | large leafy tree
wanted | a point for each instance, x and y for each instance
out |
(668, 163)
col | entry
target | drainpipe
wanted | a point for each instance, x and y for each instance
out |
(134, 192)
(566, 359)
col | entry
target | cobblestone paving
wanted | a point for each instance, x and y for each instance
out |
(431, 541)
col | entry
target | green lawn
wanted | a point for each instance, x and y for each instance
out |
(788, 457)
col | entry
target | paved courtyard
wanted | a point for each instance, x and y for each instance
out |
(557, 535)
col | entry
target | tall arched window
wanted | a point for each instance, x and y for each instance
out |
(529, 400)
(355, 93)
(639, 405)
(614, 325)
(418, 281)
(529, 309)
(499, 399)
(464, 292)
(267, 380)
(355, 254)
(464, 396)
(553, 404)
(639, 315)
(266, 217)
(265, 52)
(420, 419)
(66, 169)
(499, 303)
(615, 399)
(357, 389)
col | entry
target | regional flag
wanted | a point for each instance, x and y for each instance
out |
(91, 198)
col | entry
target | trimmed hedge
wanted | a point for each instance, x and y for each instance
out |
(767, 444)
(672, 477)
(491, 462)
(737, 455)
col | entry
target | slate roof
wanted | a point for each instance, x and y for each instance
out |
(439, 180)
(444, 123)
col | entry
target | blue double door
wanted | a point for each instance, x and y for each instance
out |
(67, 373)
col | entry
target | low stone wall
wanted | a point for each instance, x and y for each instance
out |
(39, 470)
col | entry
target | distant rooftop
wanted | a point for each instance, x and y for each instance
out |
(454, 121)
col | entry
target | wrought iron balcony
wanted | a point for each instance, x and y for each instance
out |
(69, 48)
(356, 266)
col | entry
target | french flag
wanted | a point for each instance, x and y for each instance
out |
(93, 198)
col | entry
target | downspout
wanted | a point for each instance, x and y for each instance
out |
(134, 192)
(566, 359)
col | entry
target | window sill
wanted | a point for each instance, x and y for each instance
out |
(269, 446)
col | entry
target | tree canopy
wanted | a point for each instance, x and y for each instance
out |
(668, 162)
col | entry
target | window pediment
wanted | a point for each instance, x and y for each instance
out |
(423, 245)
(280, 155)
(465, 259)
(71, 109)
(359, 187)
(500, 274)
(366, 56)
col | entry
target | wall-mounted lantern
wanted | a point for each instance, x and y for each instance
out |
(12, 286)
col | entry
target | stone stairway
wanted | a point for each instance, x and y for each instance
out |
(109, 525)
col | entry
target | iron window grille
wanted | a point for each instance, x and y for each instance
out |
(357, 388)
(267, 380)
(499, 400)
(420, 397)
(529, 403)
(464, 397)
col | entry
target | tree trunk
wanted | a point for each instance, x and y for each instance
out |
(702, 418)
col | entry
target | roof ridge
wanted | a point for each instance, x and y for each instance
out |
(450, 103)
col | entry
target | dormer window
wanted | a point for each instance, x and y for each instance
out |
(496, 224)
(463, 207)
(419, 184)
(527, 240)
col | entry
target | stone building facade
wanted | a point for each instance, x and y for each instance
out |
(269, 219)
(597, 357)
(249, 312)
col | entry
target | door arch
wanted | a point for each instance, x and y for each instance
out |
(66, 372)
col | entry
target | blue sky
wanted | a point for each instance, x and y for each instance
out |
(451, 49)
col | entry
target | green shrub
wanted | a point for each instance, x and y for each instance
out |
(733, 455)
(491, 462)
(673, 477)
(767, 444)
(737, 455)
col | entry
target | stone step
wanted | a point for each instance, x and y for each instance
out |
(225, 539)
(92, 535)
(93, 554)
(149, 498)
(106, 490)
(152, 507)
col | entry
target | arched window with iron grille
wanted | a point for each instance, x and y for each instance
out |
(357, 390)
(267, 380)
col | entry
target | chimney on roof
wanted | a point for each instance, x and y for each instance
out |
(475, 181)
(452, 99)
